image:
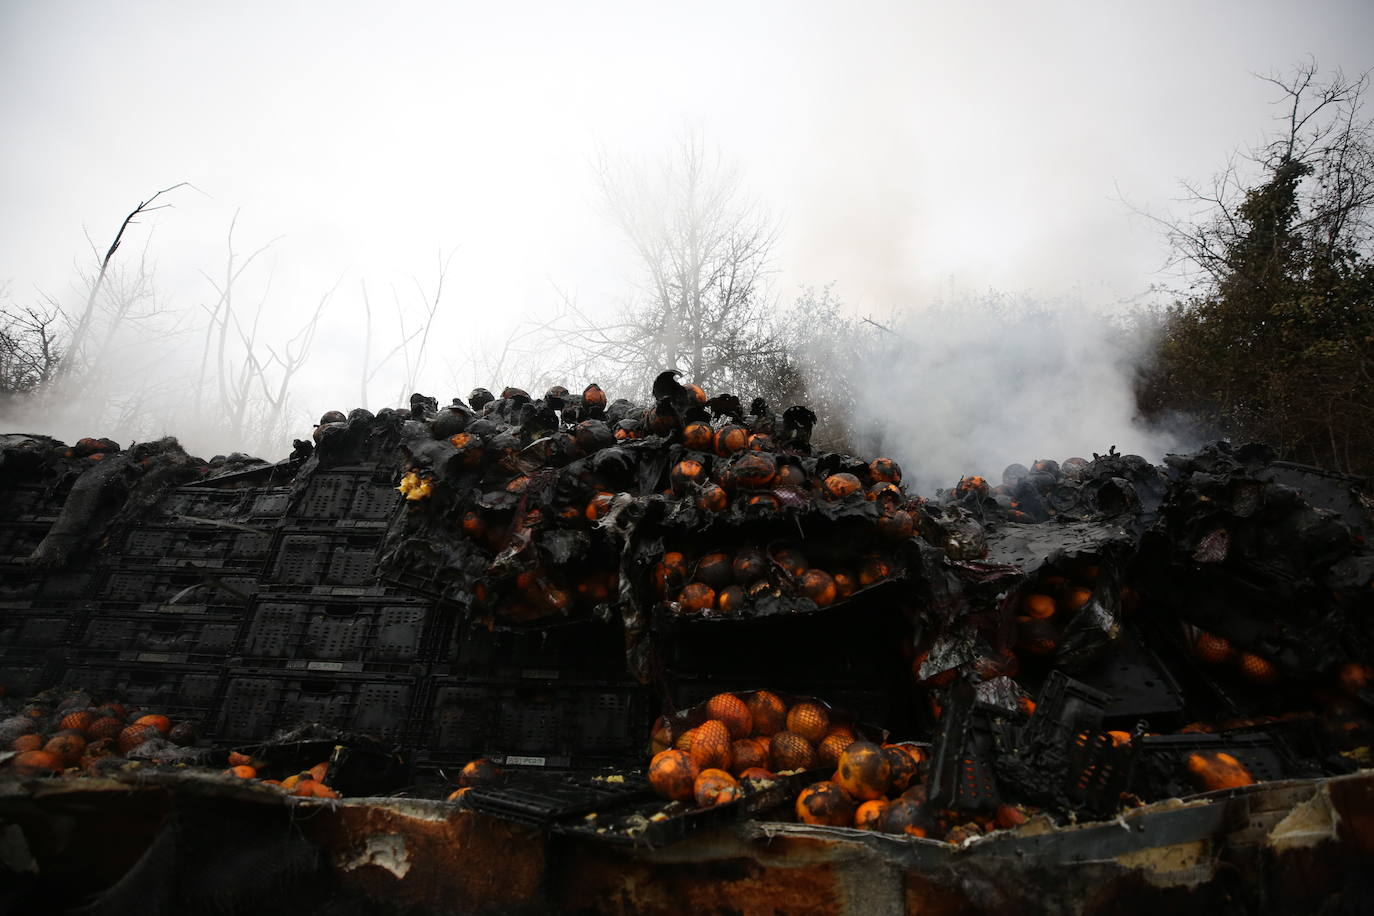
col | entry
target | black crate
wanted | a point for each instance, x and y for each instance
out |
(182, 585)
(259, 704)
(194, 544)
(26, 584)
(361, 497)
(30, 502)
(39, 624)
(18, 539)
(205, 503)
(587, 650)
(555, 725)
(181, 692)
(326, 558)
(350, 633)
(164, 634)
(269, 503)
(1162, 770)
(25, 672)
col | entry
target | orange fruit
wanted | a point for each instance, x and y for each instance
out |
(697, 393)
(897, 525)
(838, 486)
(885, 470)
(825, 803)
(790, 751)
(696, 598)
(66, 747)
(870, 814)
(476, 772)
(698, 436)
(1258, 669)
(686, 472)
(905, 816)
(134, 735)
(30, 742)
(37, 763)
(715, 787)
(711, 745)
(457, 794)
(161, 723)
(874, 570)
(239, 760)
(810, 720)
(1009, 816)
(1074, 599)
(713, 498)
(832, 746)
(819, 586)
(593, 396)
(845, 584)
(684, 740)
(755, 470)
(768, 712)
(750, 565)
(731, 439)
(242, 772)
(755, 773)
(1212, 648)
(715, 570)
(669, 573)
(792, 560)
(731, 599)
(319, 771)
(1039, 607)
(863, 771)
(1354, 677)
(902, 767)
(77, 721)
(598, 506)
(660, 737)
(1213, 770)
(732, 711)
(746, 754)
(790, 475)
(673, 775)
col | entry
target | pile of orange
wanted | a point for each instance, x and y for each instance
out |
(1217, 650)
(309, 783)
(721, 582)
(874, 787)
(79, 736)
(1049, 603)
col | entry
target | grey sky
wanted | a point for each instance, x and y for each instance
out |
(908, 148)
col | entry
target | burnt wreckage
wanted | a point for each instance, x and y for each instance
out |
(576, 611)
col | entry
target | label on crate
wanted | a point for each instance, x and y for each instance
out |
(514, 761)
(325, 666)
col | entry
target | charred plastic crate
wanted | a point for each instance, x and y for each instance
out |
(193, 544)
(18, 539)
(35, 587)
(388, 632)
(324, 559)
(182, 692)
(30, 503)
(148, 586)
(355, 497)
(583, 650)
(25, 671)
(259, 704)
(535, 724)
(159, 633)
(193, 502)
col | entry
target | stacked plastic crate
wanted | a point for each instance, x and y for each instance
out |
(322, 640)
(168, 602)
(39, 610)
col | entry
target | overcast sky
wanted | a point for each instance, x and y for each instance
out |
(908, 149)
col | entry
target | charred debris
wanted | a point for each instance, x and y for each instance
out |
(566, 588)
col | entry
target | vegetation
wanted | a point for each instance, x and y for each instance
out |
(1276, 340)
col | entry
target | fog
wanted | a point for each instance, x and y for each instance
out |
(914, 155)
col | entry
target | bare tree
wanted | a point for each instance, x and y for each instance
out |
(30, 347)
(701, 304)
